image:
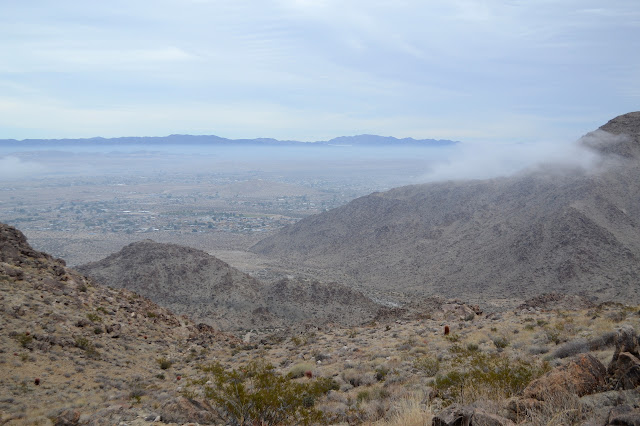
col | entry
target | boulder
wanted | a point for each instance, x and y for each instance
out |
(482, 418)
(624, 415)
(454, 415)
(625, 341)
(67, 417)
(625, 371)
(465, 415)
(583, 375)
(184, 410)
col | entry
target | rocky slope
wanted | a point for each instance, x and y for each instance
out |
(192, 282)
(70, 349)
(575, 231)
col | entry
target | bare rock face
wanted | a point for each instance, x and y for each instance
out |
(583, 375)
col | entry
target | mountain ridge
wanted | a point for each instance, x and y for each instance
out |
(363, 139)
(537, 232)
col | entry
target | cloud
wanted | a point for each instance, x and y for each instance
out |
(475, 161)
(407, 62)
(14, 168)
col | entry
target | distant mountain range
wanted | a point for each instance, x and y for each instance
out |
(358, 140)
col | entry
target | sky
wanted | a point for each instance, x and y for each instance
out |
(506, 72)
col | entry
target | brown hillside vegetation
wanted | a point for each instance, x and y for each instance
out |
(192, 282)
(73, 352)
(575, 231)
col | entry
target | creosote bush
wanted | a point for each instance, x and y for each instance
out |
(256, 394)
(24, 339)
(94, 317)
(164, 363)
(87, 346)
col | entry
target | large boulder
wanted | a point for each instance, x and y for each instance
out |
(624, 415)
(583, 375)
(466, 415)
(624, 367)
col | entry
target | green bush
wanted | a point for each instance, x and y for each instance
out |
(164, 363)
(87, 346)
(24, 339)
(94, 317)
(256, 394)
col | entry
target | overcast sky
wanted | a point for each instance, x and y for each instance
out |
(476, 71)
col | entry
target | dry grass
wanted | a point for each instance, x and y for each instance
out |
(408, 412)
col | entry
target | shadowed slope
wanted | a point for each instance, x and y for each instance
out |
(192, 282)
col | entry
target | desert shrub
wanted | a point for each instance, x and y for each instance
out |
(582, 345)
(472, 347)
(364, 395)
(299, 370)
(256, 394)
(553, 335)
(500, 342)
(571, 348)
(427, 365)
(355, 378)
(453, 338)
(164, 363)
(538, 350)
(94, 317)
(381, 373)
(603, 341)
(87, 346)
(487, 375)
(24, 339)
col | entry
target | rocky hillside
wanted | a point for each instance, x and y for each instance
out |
(75, 353)
(575, 231)
(192, 282)
(71, 350)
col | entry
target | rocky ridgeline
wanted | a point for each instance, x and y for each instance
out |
(192, 282)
